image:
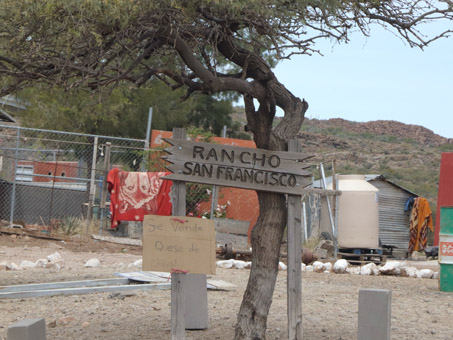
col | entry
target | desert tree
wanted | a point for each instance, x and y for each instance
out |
(204, 47)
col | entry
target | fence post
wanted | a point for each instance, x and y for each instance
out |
(13, 194)
(294, 282)
(145, 159)
(92, 184)
(108, 148)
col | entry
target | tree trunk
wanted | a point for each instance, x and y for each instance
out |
(266, 239)
(268, 232)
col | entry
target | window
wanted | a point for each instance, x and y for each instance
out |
(24, 173)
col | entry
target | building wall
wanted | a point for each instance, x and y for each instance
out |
(49, 168)
(445, 194)
(393, 220)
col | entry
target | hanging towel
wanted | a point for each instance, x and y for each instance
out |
(421, 220)
(136, 194)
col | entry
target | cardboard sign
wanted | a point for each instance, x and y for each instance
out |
(178, 243)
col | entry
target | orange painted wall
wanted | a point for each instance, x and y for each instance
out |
(243, 203)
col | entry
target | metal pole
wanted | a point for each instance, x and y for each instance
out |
(335, 236)
(335, 208)
(214, 199)
(108, 146)
(13, 195)
(324, 184)
(147, 140)
(304, 214)
(92, 185)
(215, 188)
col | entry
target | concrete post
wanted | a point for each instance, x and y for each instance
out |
(374, 314)
(31, 329)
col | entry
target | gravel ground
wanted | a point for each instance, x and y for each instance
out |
(330, 301)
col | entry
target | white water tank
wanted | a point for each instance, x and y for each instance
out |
(358, 213)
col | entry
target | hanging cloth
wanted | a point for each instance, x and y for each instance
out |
(421, 220)
(136, 194)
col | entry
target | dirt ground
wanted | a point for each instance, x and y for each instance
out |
(330, 301)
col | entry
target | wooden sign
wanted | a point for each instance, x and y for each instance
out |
(178, 244)
(231, 166)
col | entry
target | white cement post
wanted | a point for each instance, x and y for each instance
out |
(374, 314)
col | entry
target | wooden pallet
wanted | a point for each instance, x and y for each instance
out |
(363, 258)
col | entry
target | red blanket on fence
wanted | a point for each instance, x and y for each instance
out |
(136, 194)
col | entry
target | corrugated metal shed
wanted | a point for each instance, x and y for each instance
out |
(393, 220)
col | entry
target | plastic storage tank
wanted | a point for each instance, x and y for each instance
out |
(358, 213)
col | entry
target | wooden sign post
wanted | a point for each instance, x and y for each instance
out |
(255, 169)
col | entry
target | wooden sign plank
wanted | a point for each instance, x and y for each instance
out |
(186, 147)
(288, 167)
(174, 243)
(296, 187)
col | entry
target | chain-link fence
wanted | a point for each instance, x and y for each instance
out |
(52, 179)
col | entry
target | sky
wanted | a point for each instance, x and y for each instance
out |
(377, 78)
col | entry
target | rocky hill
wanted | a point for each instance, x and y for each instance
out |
(408, 155)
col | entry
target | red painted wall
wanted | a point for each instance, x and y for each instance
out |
(49, 168)
(445, 194)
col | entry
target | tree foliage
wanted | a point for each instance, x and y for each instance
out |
(123, 110)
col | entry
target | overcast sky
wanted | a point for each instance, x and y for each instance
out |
(378, 78)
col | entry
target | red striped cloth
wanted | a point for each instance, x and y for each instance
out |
(421, 220)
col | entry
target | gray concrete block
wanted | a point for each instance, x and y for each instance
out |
(226, 225)
(374, 314)
(196, 301)
(31, 329)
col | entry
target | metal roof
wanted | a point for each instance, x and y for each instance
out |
(368, 178)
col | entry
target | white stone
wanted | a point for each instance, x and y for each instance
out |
(303, 267)
(340, 266)
(318, 267)
(436, 275)
(13, 266)
(138, 263)
(226, 264)
(92, 263)
(27, 264)
(55, 258)
(327, 267)
(41, 263)
(368, 269)
(392, 268)
(353, 270)
(309, 268)
(282, 266)
(239, 264)
(425, 274)
(248, 265)
(408, 271)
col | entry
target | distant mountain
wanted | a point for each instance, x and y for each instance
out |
(406, 154)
